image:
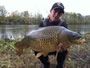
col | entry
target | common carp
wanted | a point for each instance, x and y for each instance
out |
(47, 39)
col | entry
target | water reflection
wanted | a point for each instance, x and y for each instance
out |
(14, 31)
(82, 28)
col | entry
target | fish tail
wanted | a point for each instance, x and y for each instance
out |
(19, 48)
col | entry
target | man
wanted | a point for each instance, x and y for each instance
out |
(56, 12)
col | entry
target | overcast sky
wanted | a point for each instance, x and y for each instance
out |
(44, 6)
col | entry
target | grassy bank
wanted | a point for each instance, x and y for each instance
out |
(80, 56)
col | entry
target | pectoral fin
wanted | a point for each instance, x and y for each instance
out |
(69, 54)
(39, 54)
(45, 54)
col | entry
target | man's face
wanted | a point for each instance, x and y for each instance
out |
(55, 14)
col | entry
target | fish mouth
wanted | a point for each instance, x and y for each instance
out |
(79, 41)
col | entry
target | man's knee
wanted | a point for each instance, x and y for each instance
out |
(61, 58)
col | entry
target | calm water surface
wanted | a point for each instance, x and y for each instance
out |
(14, 31)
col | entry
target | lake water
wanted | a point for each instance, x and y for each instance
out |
(14, 31)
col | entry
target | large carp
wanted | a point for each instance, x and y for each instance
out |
(47, 39)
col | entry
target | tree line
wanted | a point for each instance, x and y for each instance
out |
(26, 18)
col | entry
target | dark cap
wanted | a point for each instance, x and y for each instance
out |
(58, 5)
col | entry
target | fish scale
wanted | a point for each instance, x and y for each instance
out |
(46, 39)
(43, 46)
